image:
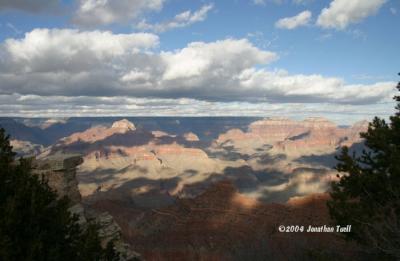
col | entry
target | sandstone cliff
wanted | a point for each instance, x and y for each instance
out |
(312, 136)
(60, 171)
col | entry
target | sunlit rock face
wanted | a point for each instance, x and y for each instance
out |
(190, 136)
(113, 156)
(297, 138)
(98, 133)
(26, 148)
(276, 129)
(123, 125)
(50, 122)
(286, 134)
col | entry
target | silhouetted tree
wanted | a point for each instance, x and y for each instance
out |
(34, 224)
(368, 195)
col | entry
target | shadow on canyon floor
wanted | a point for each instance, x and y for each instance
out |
(329, 160)
(219, 224)
(268, 185)
(139, 193)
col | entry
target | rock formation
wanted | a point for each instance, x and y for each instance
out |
(100, 132)
(60, 171)
(310, 136)
(124, 125)
(26, 148)
(50, 122)
(190, 136)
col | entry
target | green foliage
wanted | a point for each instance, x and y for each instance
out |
(34, 224)
(368, 194)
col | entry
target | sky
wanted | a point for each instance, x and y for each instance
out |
(295, 58)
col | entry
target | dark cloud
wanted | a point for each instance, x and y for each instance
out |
(34, 6)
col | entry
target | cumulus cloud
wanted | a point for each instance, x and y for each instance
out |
(293, 22)
(342, 13)
(29, 5)
(74, 63)
(215, 60)
(105, 12)
(180, 20)
(67, 50)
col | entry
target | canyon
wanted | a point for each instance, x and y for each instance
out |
(216, 193)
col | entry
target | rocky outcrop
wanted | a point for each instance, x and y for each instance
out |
(110, 231)
(276, 129)
(50, 122)
(60, 171)
(123, 125)
(160, 134)
(190, 136)
(26, 148)
(98, 133)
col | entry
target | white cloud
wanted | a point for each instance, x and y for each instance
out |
(342, 13)
(217, 59)
(29, 5)
(393, 10)
(58, 50)
(280, 86)
(180, 20)
(104, 12)
(16, 105)
(259, 2)
(136, 76)
(293, 22)
(73, 63)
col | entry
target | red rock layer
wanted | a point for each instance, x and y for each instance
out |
(306, 136)
(221, 224)
(100, 132)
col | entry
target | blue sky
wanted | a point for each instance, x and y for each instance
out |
(285, 51)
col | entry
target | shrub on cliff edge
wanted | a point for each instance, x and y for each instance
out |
(368, 195)
(34, 224)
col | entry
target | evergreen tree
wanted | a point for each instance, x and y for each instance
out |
(367, 196)
(34, 224)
